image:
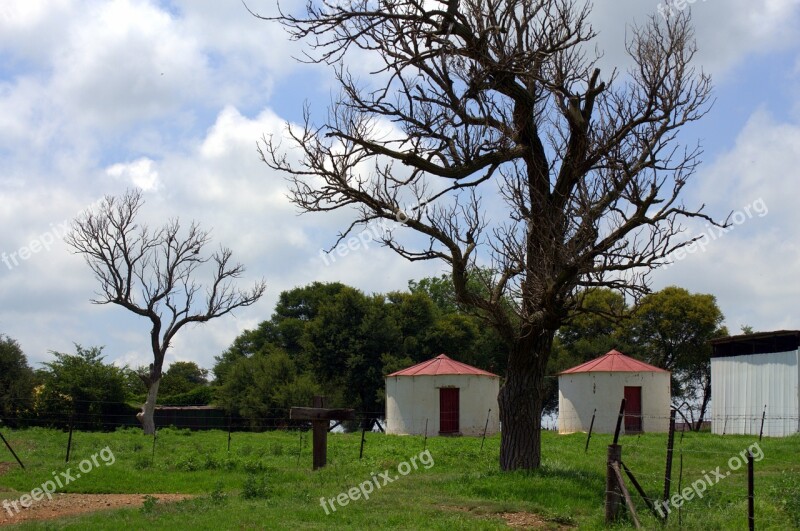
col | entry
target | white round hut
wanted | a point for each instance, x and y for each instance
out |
(597, 387)
(442, 396)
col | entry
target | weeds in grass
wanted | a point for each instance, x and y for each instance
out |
(277, 449)
(787, 493)
(218, 496)
(149, 504)
(255, 487)
(188, 463)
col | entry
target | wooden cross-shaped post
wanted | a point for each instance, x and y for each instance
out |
(320, 419)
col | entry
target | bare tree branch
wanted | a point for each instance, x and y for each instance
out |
(152, 273)
(504, 99)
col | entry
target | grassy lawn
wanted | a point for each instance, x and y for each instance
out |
(265, 481)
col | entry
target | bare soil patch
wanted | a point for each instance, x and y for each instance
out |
(71, 504)
(523, 520)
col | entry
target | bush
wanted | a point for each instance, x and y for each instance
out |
(255, 487)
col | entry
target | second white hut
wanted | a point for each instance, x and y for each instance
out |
(597, 387)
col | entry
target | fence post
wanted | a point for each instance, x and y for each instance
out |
(485, 428)
(613, 493)
(751, 516)
(363, 433)
(670, 446)
(69, 439)
(589, 435)
(153, 458)
(229, 433)
(763, 416)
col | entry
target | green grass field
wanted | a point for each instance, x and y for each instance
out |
(266, 481)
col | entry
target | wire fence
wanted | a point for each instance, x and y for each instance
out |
(703, 475)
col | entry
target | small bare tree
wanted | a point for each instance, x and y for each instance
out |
(491, 120)
(152, 274)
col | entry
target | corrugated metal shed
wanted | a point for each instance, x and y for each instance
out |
(754, 373)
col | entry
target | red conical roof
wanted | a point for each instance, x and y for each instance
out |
(441, 364)
(613, 361)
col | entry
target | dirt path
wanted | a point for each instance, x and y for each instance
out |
(68, 504)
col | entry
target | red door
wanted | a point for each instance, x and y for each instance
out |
(448, 410)
(633, 409)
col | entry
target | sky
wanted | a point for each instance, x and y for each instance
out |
(172, 97)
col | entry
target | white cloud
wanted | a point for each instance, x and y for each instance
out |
(86, 111)
(141, 173)
(752, 269)
(727, 32)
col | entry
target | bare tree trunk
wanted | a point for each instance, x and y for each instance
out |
(704, 403)
(147, 414)
(520, 402)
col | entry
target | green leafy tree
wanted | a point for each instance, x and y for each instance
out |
(671, 329)
(183, 377)
(285, 329)
(264, 386)
(81, 386)
(345, 344)
(185, 384)
(16, 381)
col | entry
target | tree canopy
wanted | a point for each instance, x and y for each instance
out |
(16, 380)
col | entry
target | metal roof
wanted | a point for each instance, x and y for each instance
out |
(613, 361)
(440, 365)
(756, 343)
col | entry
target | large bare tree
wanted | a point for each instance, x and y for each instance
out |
(488, 129)
(152, 273)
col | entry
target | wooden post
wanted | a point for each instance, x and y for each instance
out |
(670, 445)
(320, 420)
(625, 494)
(751, 514)
(763, 416)
(425, 442)
(612, 485)
(589, 435)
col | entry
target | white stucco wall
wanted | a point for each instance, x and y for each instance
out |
(580, 393)
(742, 385)
(410, 400)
